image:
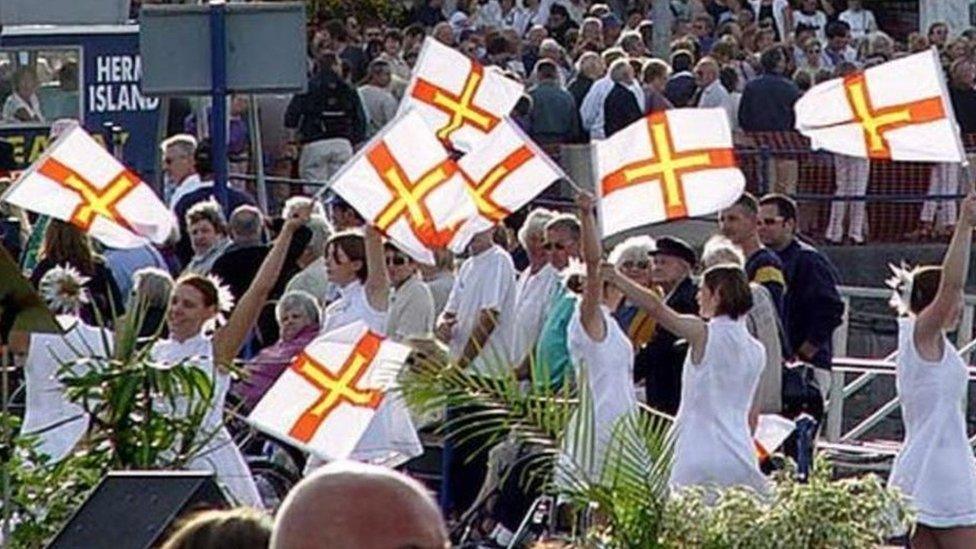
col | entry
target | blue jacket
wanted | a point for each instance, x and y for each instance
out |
(812, 305)
(767, 104)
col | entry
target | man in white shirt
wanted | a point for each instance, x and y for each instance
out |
(179, 167)
(536, 286)
(860, 20)
(712, 93)
(477, 320)
(411, 312)
(592, 111)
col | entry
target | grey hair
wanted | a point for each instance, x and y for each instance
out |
(183, 142)
(245, 223)
(618, 68)
(296, 202)
(297, 299)
(565, 221)
(321, 231)
(719, 250)
(641, 246)
(534, 223)
(152, 285)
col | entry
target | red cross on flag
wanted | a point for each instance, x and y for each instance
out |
(667, 165)
(78, 181)
(406, 185)
(459, 98)
(335, 399)
(898, 110)
(503, 173)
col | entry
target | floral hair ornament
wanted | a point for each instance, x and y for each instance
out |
(901, 283)
(63, 289)
(225, 303)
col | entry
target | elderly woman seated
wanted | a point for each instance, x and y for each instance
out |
(298, 317)
(633, 258)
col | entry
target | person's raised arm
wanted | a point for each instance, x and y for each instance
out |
(955, 266)
(590, 315)
(228, 339)
(689, 327)
(377, 284)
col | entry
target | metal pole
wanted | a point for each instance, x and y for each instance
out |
(257, 152)
(661, 37)
(218, 96)
(6, 440)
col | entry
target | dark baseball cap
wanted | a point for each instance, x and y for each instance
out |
(675, 247)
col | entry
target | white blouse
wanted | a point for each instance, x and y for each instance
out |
(351, 306)
(220, 454)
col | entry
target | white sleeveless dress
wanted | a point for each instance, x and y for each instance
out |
(935, 467)
(713, 445)
(46, 403)
(609, 366)
(220, 455)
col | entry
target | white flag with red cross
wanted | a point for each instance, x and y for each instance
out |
(337, 399)
(78, 181)
(405, 183)
(898, 110)
(461, 99)
(503, 174)
(667, 165)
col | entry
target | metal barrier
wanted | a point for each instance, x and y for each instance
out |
(870, 369)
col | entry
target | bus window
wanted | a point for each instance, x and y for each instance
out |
(39, 86)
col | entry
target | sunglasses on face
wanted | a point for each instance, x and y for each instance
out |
(555, 246)
(640, 264)
(397, 260)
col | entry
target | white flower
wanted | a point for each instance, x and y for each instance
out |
(63, 289)
(901, 282)
(225, 303)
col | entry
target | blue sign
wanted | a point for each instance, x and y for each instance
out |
(109, 84)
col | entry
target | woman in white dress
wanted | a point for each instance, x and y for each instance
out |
(935, 467)
(57, 422)
(713, 445)
(193, 304)
(598, 346)
(356, 264)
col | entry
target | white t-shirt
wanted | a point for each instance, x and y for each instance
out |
(533, 297)
(861, 22)
(351, 306)
(46, 403)
(484, 281)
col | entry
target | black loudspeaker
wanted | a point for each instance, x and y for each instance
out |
(134, 509)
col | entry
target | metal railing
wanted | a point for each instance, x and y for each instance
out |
(870, 369)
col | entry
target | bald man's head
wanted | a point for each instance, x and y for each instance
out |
(347, 504)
